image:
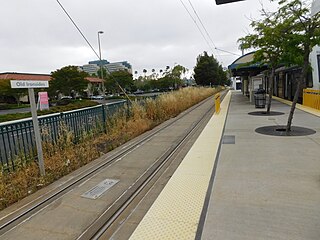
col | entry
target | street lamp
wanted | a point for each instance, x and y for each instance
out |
(100, 32)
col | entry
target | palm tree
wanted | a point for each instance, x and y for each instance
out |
(160, 73)
(144, 71)
(153, 73)
(135, 75)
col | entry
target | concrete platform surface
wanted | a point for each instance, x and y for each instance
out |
(265, 187)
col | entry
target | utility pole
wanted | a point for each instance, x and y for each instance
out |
(103, 90)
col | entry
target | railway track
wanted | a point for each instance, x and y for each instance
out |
(111, 215)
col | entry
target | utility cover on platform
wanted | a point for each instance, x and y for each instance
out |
(98, 190)
(229, 139)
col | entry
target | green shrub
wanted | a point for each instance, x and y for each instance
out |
(6, 106)
(72, 105)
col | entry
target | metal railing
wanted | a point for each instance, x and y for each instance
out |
(311, 98)
(17, 137)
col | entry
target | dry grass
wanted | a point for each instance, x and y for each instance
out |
(65, 156)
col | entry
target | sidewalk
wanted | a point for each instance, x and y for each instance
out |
(265, 187)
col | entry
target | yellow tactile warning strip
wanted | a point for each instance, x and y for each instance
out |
(176, 212)
(299, 106)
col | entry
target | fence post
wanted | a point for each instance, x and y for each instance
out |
(36, 130)
(128, 108)
(104, 119)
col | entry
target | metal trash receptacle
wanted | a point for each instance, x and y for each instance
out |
(260, 98)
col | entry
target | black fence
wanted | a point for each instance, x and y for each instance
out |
(17, 137)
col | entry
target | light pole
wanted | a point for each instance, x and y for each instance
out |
(100, 32)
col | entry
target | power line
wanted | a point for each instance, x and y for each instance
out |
(205, 29)
(195, 12)
(209, 36)
(221, 50)
(73, 22)
(195, 22)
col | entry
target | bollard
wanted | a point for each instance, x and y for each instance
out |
(217, 102)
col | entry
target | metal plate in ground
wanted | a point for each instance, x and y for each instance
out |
(229, 139)
(264, 113)
(280, 130)
(101, 188)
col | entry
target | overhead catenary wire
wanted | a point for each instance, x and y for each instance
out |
(197, 25)
(79, 30)
(84, 37)
(205, 29)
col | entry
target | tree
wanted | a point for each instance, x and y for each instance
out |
(268, 39)
(104, 73)
(170, 79)
(122, 78)
(222, 76)
(208, 71)
(166, 82)
(302, 37)
(287, 37)
(178, 70)
(6, 90)
(68, 81)
(144, 71)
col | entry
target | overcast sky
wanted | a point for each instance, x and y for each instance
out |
(37, 36)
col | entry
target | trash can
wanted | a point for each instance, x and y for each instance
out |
(260, 98)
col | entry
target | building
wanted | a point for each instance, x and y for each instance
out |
(236, 83)
(25, 76)
(119, 66)
(93, 66)
(90, 68)
(255, 76)
(314, 57)
(98, 62)
(94, 83)
(315, 64)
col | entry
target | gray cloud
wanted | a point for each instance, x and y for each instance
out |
(36, 36)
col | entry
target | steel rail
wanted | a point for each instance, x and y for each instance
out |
(104, 221)
(14, 218)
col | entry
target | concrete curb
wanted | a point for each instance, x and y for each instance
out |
(299, 106)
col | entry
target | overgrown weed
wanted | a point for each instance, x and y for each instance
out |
(64, 155)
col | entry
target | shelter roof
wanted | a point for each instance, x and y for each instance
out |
(244, 66)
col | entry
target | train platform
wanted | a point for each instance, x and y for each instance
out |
(236, 183)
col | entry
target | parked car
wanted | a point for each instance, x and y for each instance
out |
(66, 97)
(98, 97)
(138, 92)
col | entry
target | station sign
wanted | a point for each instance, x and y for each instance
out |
(29, 84)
